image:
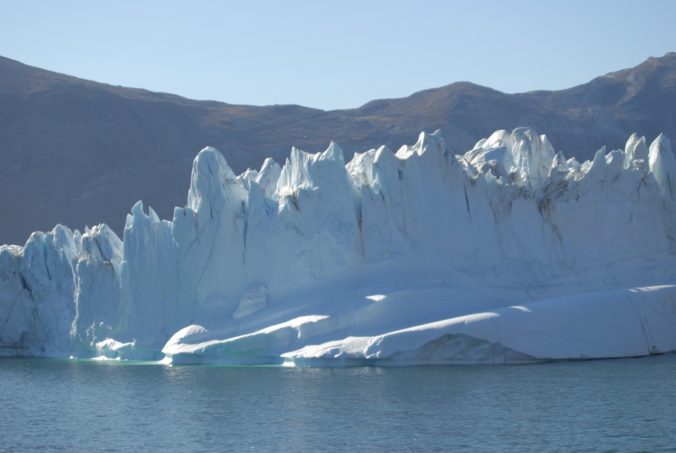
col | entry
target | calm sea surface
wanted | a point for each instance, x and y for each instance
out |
(623, 405)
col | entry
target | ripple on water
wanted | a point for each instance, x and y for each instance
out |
(111, 406)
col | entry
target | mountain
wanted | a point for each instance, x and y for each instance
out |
(81, 152)
(508, 253)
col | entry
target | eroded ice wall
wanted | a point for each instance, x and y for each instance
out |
(510, 206)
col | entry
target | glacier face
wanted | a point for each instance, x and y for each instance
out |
(507, 253)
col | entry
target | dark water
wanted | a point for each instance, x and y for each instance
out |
(624, 405)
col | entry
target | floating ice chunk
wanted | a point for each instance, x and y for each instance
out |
(113, 349)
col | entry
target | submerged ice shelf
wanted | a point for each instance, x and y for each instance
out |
(508, 253)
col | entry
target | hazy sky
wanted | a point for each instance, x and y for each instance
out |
(335, 54)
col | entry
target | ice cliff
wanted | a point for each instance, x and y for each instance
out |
(507, 253)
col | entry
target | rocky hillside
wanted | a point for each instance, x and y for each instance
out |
(78, 152)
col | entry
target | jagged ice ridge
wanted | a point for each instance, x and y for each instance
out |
(508, 253)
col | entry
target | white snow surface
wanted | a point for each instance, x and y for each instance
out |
(508, 253)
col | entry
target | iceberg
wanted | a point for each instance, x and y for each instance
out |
(507, 253)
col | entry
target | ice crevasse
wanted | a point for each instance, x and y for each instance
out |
(507, 253)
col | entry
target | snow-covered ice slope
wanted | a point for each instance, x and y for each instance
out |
(505, 254)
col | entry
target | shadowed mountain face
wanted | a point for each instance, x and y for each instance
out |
(79, 153)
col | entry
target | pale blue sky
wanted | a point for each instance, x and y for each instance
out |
(336, 54)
